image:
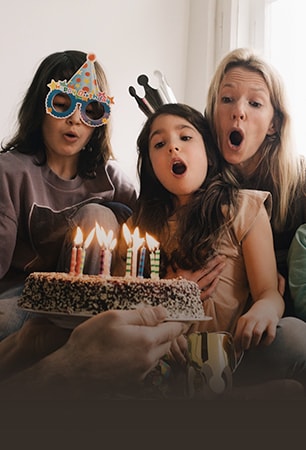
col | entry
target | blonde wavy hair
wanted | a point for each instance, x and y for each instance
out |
(280, 169)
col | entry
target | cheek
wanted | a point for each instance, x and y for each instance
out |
(156, 162)
(200, 169)
(88, 132)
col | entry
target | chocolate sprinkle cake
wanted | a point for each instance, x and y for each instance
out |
(90, 294)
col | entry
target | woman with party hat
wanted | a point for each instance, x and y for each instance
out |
(58, 173)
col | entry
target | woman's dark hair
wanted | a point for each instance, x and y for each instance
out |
(29, 139)
(200, 223)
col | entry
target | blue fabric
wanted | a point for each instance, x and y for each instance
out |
(11, 316)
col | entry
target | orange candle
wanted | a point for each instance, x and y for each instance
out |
(73, 260)
(75, 252)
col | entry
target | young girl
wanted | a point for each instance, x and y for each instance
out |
(58, 172)
(195, 213)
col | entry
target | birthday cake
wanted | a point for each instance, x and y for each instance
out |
(57, 292)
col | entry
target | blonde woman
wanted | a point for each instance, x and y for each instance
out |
(248, 115)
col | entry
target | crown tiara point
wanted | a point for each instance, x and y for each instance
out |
(154, 98)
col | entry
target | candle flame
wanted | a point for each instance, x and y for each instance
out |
(137, 240)
(152, 243)
(126, 234)
(78, 240)
(105, 240)
(89, 238)
(113, 244)
(101, 235)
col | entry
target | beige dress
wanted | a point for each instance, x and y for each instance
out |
(232, 294)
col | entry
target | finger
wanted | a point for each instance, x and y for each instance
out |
(146, 316)
(269, 335)
(215, 264)
(207, 278)
(179, 350)
(206, 293)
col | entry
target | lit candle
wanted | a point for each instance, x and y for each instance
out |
(101, 237)
(128, 268)
(133, 241)
(153, 246)
(157, 262)
(137, 241)
(83, 251)
(142, 262)
(129, 254)
(73, 260)
(107, 244)
(78, 241)
(101, 261)
(110, 245)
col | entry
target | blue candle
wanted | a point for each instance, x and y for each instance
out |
(142, 262)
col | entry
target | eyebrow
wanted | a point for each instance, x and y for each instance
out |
(179, 127)
(255, 89)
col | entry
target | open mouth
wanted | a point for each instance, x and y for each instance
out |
(70, 135)
(236, 138)
(178, 168)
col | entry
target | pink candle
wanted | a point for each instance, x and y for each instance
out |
(79, 258)
(73, 260)
(101, 261)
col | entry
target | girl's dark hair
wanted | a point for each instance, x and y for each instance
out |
(29, 139)
(200, 223)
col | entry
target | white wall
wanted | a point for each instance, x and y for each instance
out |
(129, 37)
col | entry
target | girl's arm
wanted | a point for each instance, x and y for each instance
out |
(258, 324)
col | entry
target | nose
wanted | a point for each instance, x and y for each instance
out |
(173, 148)
(75, 117)
(238, 112)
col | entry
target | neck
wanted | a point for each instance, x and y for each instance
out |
(65, 168)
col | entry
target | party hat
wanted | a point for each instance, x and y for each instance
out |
(82, 89)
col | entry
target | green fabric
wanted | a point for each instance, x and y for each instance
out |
(297, 271)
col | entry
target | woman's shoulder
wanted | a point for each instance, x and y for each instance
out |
(13, 160)
(253, 195)
(117, 174)
(250, 203)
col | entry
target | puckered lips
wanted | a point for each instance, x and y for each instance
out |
(178, 167)
(71, 135)
(236, 137)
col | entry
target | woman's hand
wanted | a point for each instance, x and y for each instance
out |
(206, 278)
(256, 327)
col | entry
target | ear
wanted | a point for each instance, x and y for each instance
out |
(271, 129)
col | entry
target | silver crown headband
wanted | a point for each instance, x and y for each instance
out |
(153, 98)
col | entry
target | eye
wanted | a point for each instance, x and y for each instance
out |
(186, 138)
(159, 144)
(226, 99)
(94, 110)
(255, 104)
(61, 103)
